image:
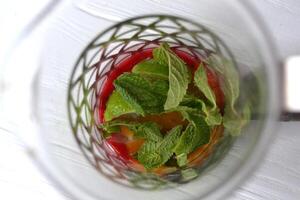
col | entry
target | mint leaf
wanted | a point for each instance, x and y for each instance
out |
(118, 122)
(189, 174)
(230, 82)
(234, 123)
(179, 75)
(212, 115)
(152, 68)
(233, 120)
(114, 126)
(117, 106)
(149, 156)
(145, 95)
(182, 159)
(186, 143)
(167, 145)
(196, 134)
(170, 140)
(200, 80)
(154, 154)
(145, 130)
(149, 131)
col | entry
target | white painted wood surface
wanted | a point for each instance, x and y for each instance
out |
(278, 177)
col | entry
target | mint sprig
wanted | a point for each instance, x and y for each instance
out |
(196, 134)
(160, 85)
(179, 75)
(149, 131)
(152, 68)
(145, 95)
(233, 120)
(212, 115)
(201, 81)
(149, 155)
(212, 112)
(154, 154)
(117, 106)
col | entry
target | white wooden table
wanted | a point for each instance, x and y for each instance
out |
(278, 176)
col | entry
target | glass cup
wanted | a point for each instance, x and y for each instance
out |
(55, 75)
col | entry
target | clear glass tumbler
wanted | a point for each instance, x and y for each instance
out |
(56, 72)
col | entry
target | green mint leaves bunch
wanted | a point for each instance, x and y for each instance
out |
(160, 85)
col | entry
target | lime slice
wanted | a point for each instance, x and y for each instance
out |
(116, 106)
(151, 67)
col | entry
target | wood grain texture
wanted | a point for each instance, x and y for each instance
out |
(278, 177)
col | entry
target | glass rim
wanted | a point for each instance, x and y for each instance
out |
(53, 172)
